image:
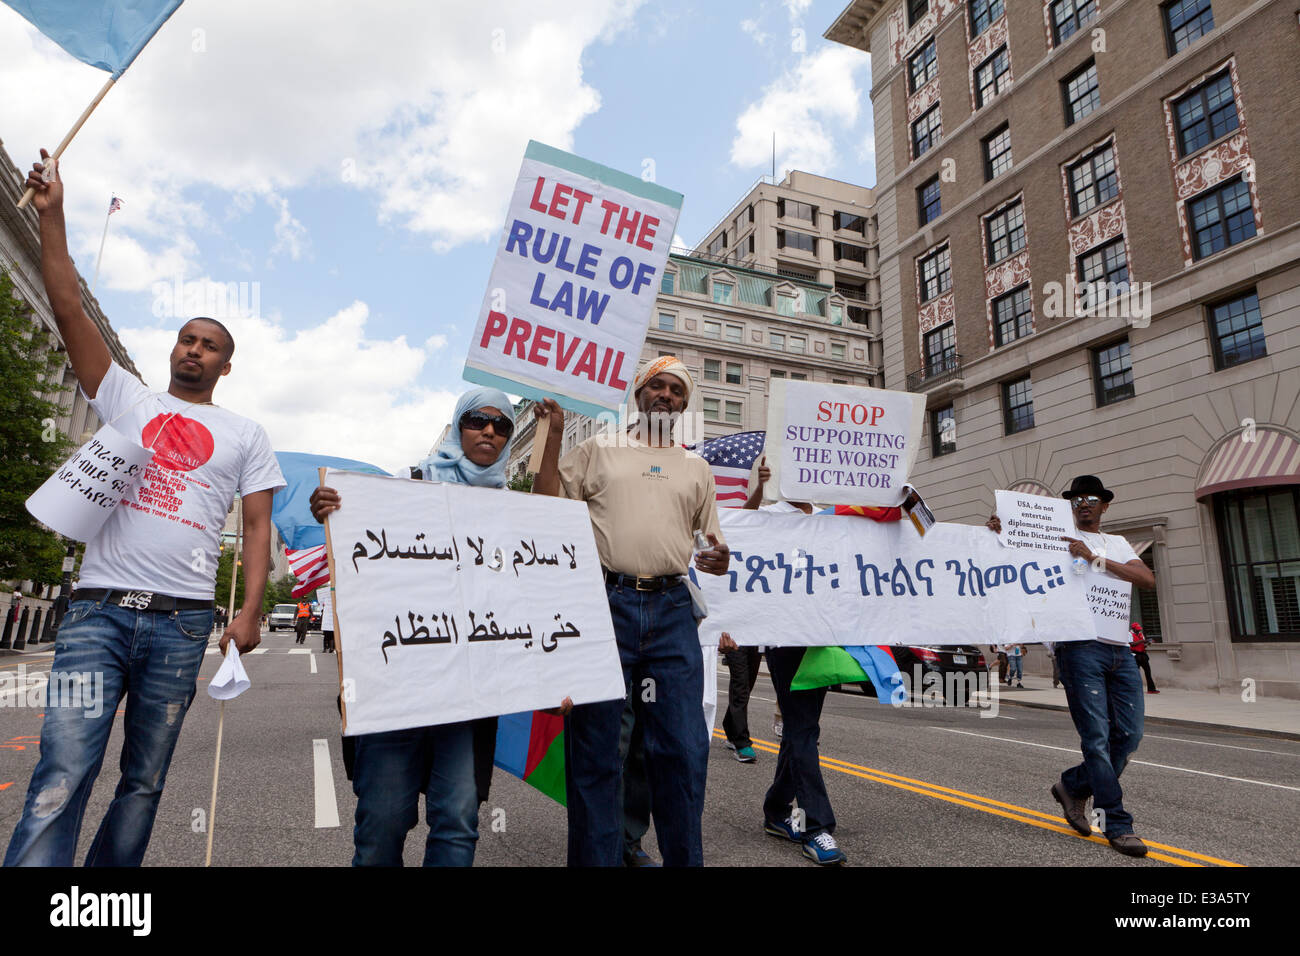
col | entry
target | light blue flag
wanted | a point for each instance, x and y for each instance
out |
(107, 34)
(291, 505)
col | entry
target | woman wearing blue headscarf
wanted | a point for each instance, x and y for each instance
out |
(391, 769)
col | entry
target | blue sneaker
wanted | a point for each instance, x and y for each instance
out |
(746, 755)
(823, 849)
(784, 829)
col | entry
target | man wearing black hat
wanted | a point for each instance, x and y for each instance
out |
(1102, 683)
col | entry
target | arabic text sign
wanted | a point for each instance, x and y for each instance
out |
(78, 498)
(1035, 521)
(456, 602)
(799, 580)
(574, 282)
(842, 443)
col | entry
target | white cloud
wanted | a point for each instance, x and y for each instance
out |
(329, 389)
(810, 107)
(751, 28)
(796, 8)
(290, 234)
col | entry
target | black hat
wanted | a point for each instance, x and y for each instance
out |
(1087, 485)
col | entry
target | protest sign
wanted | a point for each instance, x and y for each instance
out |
(803, 580)
(574, 282)
(1035, 521)
(455, 602)
(78, 498)
(842, 443)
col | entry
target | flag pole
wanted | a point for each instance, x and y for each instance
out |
(221, 719)
(100, 258)
(27, 196)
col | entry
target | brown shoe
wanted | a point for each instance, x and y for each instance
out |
(1129, 844)
(1076, 810)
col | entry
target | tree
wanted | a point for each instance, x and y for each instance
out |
(31, 446)
(521, 482)
(279, 592)
(224, 566)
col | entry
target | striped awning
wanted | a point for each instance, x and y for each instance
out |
(1030, 487)
(1266, 457)
(1139, 546)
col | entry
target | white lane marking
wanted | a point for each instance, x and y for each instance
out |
(259, 650)
(212, 650)
(313, 663)
(1145, 763)
(1003, 717)
(300, 650)
(327, 807)
(1206, 743)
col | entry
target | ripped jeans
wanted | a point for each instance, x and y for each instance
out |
(153, 657)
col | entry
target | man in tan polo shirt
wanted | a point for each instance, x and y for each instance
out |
(648, 498)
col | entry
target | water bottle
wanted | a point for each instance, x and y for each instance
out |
(1079, 565)
(701, 542)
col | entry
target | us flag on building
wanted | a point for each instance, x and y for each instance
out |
(731, 458)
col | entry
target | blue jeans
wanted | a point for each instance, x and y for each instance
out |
(798, 766)
(153, 657)
(1104, 691)
(663, 670)
(1013, 664)
(391, 770)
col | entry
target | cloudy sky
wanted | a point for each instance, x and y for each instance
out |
(346, 166)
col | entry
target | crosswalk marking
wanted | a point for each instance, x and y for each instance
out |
(299, 650)
(327, 807)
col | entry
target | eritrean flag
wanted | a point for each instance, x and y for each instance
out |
(823, 666)
(530, 745)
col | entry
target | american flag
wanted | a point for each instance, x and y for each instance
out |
(114, 206)
(731, 458)
(310, 566)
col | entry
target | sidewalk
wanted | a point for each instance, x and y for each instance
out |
(1265, 716)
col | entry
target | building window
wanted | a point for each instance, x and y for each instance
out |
(916, 9)
(751, 212)
(733, 373)
(927, 132)
(936, 274)
(790, 209)
(796, 240)
(1205, 114)
(1094, 180)
(1221, 217)
(735, 413)
(1103, 272)
(851, 222)
(940, 349)
(922, 67)
(1081, 93)
(712, 330)
(667, 283)
(718, 244)
(982, 15)
(794, 272)
(943, 430)
(1006, 232)
(798, 377)
(1186, 21)
(777, 373)
(839, 381)
(1013, 316)
(735, 333)
(1069, 17)
(751, 242)
(1146, 604)
(798, 345)
(997, 153)
(837, 351)
(1259, 534)
(927, 199)
(1112, 373)
(711, 409)
(722, 292)
(667, 323)
(992, 77)
(712, 370)
(845, 250)
(776, 340)
(1237, 331)
(1018, 403)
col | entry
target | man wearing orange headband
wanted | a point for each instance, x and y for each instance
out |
(648, 499)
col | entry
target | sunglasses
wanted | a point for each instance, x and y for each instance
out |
(1084, 500)
(480, 420)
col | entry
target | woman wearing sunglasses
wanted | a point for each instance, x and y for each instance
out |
(392, 769)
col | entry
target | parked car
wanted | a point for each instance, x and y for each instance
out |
(283, 615)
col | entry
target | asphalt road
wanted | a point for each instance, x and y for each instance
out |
(920, 786)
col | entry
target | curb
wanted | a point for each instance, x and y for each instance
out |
(1170, 721)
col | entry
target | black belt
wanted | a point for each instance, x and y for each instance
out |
(140, 600)
(658, 583)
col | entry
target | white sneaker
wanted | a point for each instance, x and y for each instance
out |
(778, 727)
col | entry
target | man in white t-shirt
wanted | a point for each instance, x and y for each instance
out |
(142, 612)
(1102, 683)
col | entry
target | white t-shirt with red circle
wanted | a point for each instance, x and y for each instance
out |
(165, 536)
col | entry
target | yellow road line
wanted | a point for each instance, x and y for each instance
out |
(1010, 811)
